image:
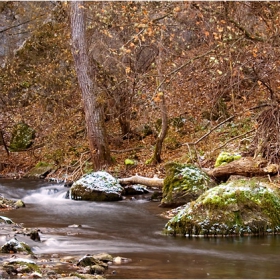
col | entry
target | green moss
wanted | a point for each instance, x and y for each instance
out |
(184, 183)
(40, 170)
(240, 207)
(42, 164)
(129, 161)
(22, 137)
(225, 157)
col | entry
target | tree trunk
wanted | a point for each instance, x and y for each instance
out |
(86, 74)
(248, 167)
(164, 120)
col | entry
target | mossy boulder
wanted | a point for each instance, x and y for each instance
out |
(225, 157)
(184, 183)
(22, 137)
(96, 186)
(40, 170)
(236, 208)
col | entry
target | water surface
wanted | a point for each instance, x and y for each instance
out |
(133, 229)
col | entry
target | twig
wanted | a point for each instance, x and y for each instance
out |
(182, 66)
(19, 24)
(238, 136)
(127, 150)
(214, 128)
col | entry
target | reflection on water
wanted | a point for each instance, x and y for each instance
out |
(132, 229)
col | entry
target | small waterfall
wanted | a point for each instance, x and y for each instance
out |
(47, 194)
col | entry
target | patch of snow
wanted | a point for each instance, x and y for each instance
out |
(99, 181)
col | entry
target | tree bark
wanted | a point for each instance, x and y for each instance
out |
(248, 167)
(163, 108)
(86, 73)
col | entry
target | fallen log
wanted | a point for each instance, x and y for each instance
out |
(136, 179)
(247, 166)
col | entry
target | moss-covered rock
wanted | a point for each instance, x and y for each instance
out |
(236, 208)
(22, 137)
(40, 170)
(21, 265)
(225, 157)
(15, 246)
(96, 186)
(184, 183)
(19, 204)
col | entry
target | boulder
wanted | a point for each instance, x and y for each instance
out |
(40, 170)
(242, 207)
(96, 186)
(183, 183)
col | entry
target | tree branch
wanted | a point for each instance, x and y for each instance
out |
(182, 66)
(19, 24)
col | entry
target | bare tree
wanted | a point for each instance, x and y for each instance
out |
(86, 74)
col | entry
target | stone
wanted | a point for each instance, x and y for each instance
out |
(96, 186)
(40, 170)
(5, 220)
(183, 183)
(19, 204)
(21, 265)
(243, 207)
(14, 246)
(104, 257)
(135, 189)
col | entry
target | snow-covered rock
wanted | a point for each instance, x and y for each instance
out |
(96, 186)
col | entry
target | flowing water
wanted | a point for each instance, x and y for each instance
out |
(132, 229)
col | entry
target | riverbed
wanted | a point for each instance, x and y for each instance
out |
(132, 228)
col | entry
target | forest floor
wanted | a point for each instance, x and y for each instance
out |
(232, 131)
(216, 136)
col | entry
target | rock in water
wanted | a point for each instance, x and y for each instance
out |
(14, 246)
(184, 183)
(237, 208)
(96, 186)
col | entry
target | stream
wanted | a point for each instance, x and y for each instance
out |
(133, 229)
